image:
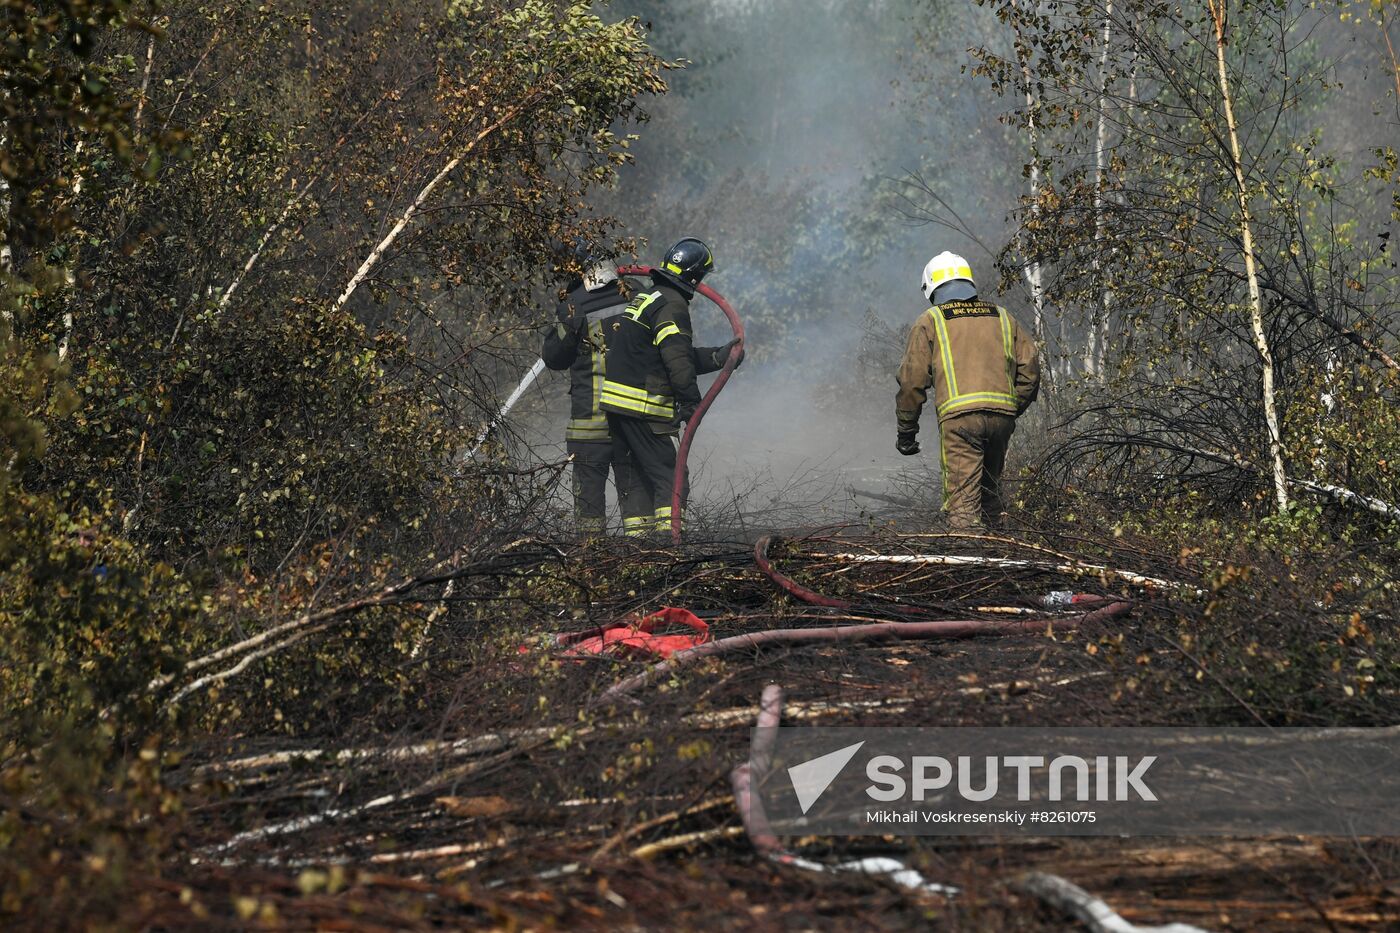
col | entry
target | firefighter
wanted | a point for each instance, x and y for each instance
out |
(577, 342)
(984, 372)
(650, 386)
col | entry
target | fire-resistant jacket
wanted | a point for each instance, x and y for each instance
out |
(651, 362)
(976, 358)
(579, 345)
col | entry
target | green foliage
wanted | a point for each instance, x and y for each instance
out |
(86, 624)
(53, 86)
(1293, 626)
(1144, 264)
(233, 419)
(199, 437)
(1343, 429)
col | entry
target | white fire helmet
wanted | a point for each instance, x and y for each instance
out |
(944, 268)
(598, 275)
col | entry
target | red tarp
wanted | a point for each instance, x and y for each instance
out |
(638, 638)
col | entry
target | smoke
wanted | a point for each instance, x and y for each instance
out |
(780, 145)
(786, 143)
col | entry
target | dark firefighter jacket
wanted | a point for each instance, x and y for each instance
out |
(976, 358)
(580, 346)
(652, 363)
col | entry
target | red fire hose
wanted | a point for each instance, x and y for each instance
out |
(678, 483)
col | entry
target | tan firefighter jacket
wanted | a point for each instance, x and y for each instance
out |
(976, 358)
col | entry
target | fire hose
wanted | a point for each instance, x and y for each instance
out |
(871, 632)
(1054, 600)
(683, 454)
(1093, 610)
(691, 426)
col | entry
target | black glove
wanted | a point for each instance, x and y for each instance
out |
(722, 354)
(685, 414)
(907, 443)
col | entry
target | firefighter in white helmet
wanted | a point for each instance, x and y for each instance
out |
(984, 372)
(577, 342)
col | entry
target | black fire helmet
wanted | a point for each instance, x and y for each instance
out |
(689, 260)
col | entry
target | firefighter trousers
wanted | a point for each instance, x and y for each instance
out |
(652, 459)
(973, 456)
(592, 460)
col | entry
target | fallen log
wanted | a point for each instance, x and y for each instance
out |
(1094, 913)
(1009, 563)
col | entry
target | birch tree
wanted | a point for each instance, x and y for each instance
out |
(1218, 15)
(1250, 312)
(1095, 345)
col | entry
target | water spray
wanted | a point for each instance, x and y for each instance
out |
(525, 382)
(683, 454)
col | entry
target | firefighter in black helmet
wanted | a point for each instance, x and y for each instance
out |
(651, 367)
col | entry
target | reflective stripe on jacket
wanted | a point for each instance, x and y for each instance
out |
(652, 364)
(580, 346)
(975, 357)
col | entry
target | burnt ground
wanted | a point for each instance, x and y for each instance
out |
(493, 786)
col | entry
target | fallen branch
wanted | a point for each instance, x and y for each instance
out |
(884, 868)
(476, 745)
(1347, 497)
(288, 633)
(1087, 909)
(1327, 490)
(498, 741)
(1009, 563)
(686, 840)
(664, 819)
(432, 785)
(1339, 494)
(243, 664)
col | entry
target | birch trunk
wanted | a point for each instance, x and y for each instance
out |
(1096, 349)
(145, 86)
(7, 259)
(1033, 272)
(65, 343)
(266, 238)
(376, 254)
(1394, 59)
(1256, 306)
(1034, 279)
(326, 163)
